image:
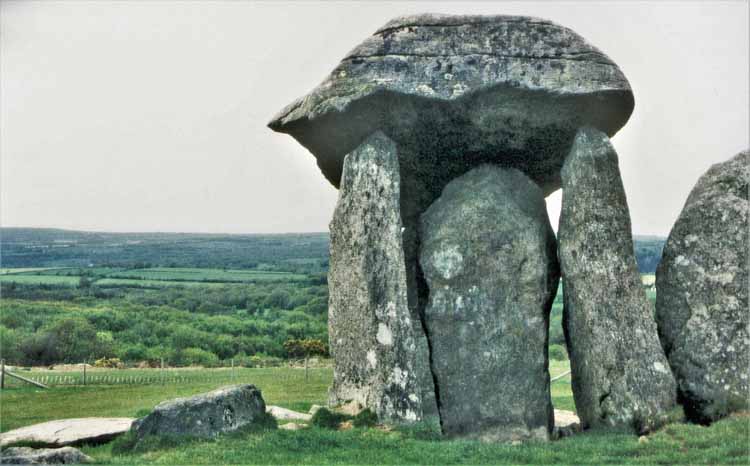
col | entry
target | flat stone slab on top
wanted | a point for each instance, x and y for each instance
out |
(69, 431)
(460, 91)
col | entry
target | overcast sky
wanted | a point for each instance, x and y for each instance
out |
(150, 116)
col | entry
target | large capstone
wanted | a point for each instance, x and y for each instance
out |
(702, 294)
(488, 255)
(459, 91)
(206, 415)
(376, 339)
(620, 375)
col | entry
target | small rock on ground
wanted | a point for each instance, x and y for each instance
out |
(24, 455)
(283, 414)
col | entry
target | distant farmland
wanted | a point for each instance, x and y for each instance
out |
(146, 277)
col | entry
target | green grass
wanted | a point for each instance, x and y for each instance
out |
(40, 279)
(136, 282)
(725, 442)
(213, 275)
(29, 405)
(6, 271)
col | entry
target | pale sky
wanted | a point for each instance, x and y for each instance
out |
(150, 116)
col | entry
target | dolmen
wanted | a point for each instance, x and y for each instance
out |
(444, 134)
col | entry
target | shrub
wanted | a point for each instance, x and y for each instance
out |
(558, 353)
(328, 419)
(198, 357)
(365, 418)
(111, 363)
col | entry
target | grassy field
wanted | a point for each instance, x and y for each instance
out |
(40, 279)
(150, 277)
(725, 442)
(214, 275)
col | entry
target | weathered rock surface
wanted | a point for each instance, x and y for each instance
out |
(620, 375)
(702, 300)
(489, 258)
(460, 91)
(380, 361)
(283, 414)
(69, 431)
(206, 415)
(24, 455)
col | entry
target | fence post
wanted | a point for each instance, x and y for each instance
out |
(2, 374)
(84, 372)
(305, 368)
(162, 371)
(232, 369)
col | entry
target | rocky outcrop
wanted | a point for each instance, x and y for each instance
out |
(620, 375)
(460, 91)
(65, 432)
(489, 259)
(372, 332)
(206, 415)
(24, 455)
(702, 299)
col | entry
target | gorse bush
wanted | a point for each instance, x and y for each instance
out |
(558, 353)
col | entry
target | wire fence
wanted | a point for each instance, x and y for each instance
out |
(86, 375)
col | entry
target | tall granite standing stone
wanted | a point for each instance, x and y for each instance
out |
(489, 258)
(702, 299)
(371, 329)
(620, 375)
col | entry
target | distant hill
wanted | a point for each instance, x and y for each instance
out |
(298, 252)
(42, 247)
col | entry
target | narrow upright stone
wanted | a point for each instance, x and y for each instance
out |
(702, 300)
(620, 374)
(370, 326)
(488, 256)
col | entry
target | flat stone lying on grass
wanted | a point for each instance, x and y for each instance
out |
(283, 414)
(567, 423)
(25, 455)
(205, 415)
(69, 431)
(293, 426)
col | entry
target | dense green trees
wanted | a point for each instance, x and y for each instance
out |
(185, 326)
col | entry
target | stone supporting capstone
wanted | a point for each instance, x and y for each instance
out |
(620, 375)
(488, 254)
(371, 329)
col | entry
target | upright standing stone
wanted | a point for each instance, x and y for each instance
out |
(702, 298)
(489, 259)
(620, 374)
(370, 326)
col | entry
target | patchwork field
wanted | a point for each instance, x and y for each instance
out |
(148, 277)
